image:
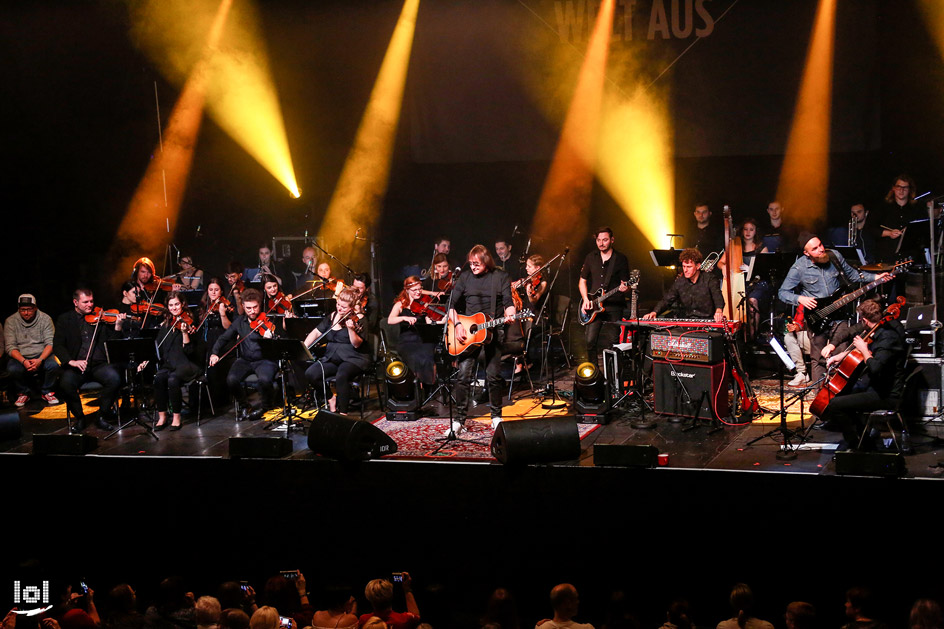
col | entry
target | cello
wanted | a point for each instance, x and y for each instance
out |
(849, 369)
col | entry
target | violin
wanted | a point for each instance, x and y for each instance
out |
(98, 315)
(182, 320)
(422, 307)
(160, 284)
(262, 324)
(444, 284)
(153, 310)
(278, 304)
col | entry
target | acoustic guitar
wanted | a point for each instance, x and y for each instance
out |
(478, 329)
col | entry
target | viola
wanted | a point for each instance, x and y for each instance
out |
(422, 307)
(261, 324)
(153, 310)
(850, 367)
(279, 304)
(98, 315)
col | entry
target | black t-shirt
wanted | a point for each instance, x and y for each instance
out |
(473, 293)
(594, 271)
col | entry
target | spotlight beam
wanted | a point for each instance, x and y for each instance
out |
(804, 176)
(358, 195)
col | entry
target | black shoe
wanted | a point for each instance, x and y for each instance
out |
(256, 414)
(78, 424)
(159, 427)
(242, 413)
(104, 424)
(177, 427)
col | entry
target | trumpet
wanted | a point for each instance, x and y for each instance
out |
(853, 233)
(710, 261)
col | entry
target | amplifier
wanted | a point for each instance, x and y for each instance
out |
(927, 385)
(681, 344)
(706, 385)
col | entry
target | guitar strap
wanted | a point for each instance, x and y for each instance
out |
(838, 266)
(609, 271)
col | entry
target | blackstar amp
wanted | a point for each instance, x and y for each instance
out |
(688, 345)
(674, 384)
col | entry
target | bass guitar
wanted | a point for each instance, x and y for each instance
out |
(849, 369)
(478, 329)
(586, 317)
(829, 309)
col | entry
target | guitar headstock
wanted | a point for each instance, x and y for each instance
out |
(902, 265)
(633, 278)
(525, 314)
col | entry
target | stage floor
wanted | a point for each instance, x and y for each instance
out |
(705, 446)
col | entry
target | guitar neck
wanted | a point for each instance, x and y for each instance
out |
(842, 301)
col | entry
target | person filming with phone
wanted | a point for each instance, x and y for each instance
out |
(379, 593)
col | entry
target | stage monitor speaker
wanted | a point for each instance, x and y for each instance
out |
(259, 447)
(536, 440)
(10, 425)
(625, 455)
(64, 444)
(339, 437)
(870, 464)
(706, 385)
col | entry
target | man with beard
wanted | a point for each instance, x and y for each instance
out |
(817, 275)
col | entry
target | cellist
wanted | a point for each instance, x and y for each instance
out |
(882, 380)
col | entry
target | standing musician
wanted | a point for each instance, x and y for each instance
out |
(409, 311)
(346, 354)
(176, 367)
(235, 285)
(695, 294)
(816, 275)
(604, 268)
(79, 344)
(893, 217)
(881, 384)
(483, 290)
(248, 328)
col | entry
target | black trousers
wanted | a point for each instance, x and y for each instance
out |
(103, 373)
(493, 377)
(599, 334)
(264, 370)
(344, 373)
(844, 409)
(167, 384)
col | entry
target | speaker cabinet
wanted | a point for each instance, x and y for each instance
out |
(339, 437)
(64, 444)
(259, 447)
(870, 464)
(625, 455)
(706, 386)
(536, 441)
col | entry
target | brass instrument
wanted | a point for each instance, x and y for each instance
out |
(710, 261)
(852, 233)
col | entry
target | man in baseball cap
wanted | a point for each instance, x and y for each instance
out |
(28, 335)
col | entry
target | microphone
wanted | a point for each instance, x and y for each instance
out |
(515, 231)
(357, 235)
(198, 234)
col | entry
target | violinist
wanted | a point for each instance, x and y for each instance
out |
(442, 275)
(150, 288)
(134, 311)
(176, 366)
(418, 355)
(276, 303)
(535, 288)
(324, 287)
(216, 315)
(882, 380)
(366, 302)
(79, 344)
(247, 330)
(346, 354)
(235, 285)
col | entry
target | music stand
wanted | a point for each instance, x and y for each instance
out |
(851, 253)
(283, 352)
(131, 353)
(787, 451)
(299, 327)
(664, 257)
(637, 389)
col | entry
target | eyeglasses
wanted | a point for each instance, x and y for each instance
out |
(897, 187)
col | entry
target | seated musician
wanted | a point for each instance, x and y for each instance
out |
(417, 354)
(268, 266)
(759, 292)
(882, 382)
(235, 285)
(176, 364)
(306, 273)
(27, 339)
(276, 302)
(368, 304)
(247, 330)
(80, 347)
(189, 277)
(487, 290)
(138, 314)
(442, 275)
(346, 354)
(694, 294)
(216, 315)
(536, 288)
(144, 283)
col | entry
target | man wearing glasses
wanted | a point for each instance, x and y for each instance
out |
(897, 211)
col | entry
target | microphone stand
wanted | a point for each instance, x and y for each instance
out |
(333, 257)
(550, 390)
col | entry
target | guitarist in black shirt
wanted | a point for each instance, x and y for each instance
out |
(606, 269)
(485, 289)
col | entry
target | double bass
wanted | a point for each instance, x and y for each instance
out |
(849, 369)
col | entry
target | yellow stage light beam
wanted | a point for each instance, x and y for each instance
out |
(240, 95)
(358, 195)
(934, 16)
(151, 218)
(635, 162)
(804, 175)
(561, 216)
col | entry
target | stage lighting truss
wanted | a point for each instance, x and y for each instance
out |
(591, 401)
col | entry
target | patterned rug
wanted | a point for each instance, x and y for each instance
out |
(768, 395)
(419, 439)
(89, 406)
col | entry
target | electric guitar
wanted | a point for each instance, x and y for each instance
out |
(478, 329)
(596, 301)
(828, 309)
